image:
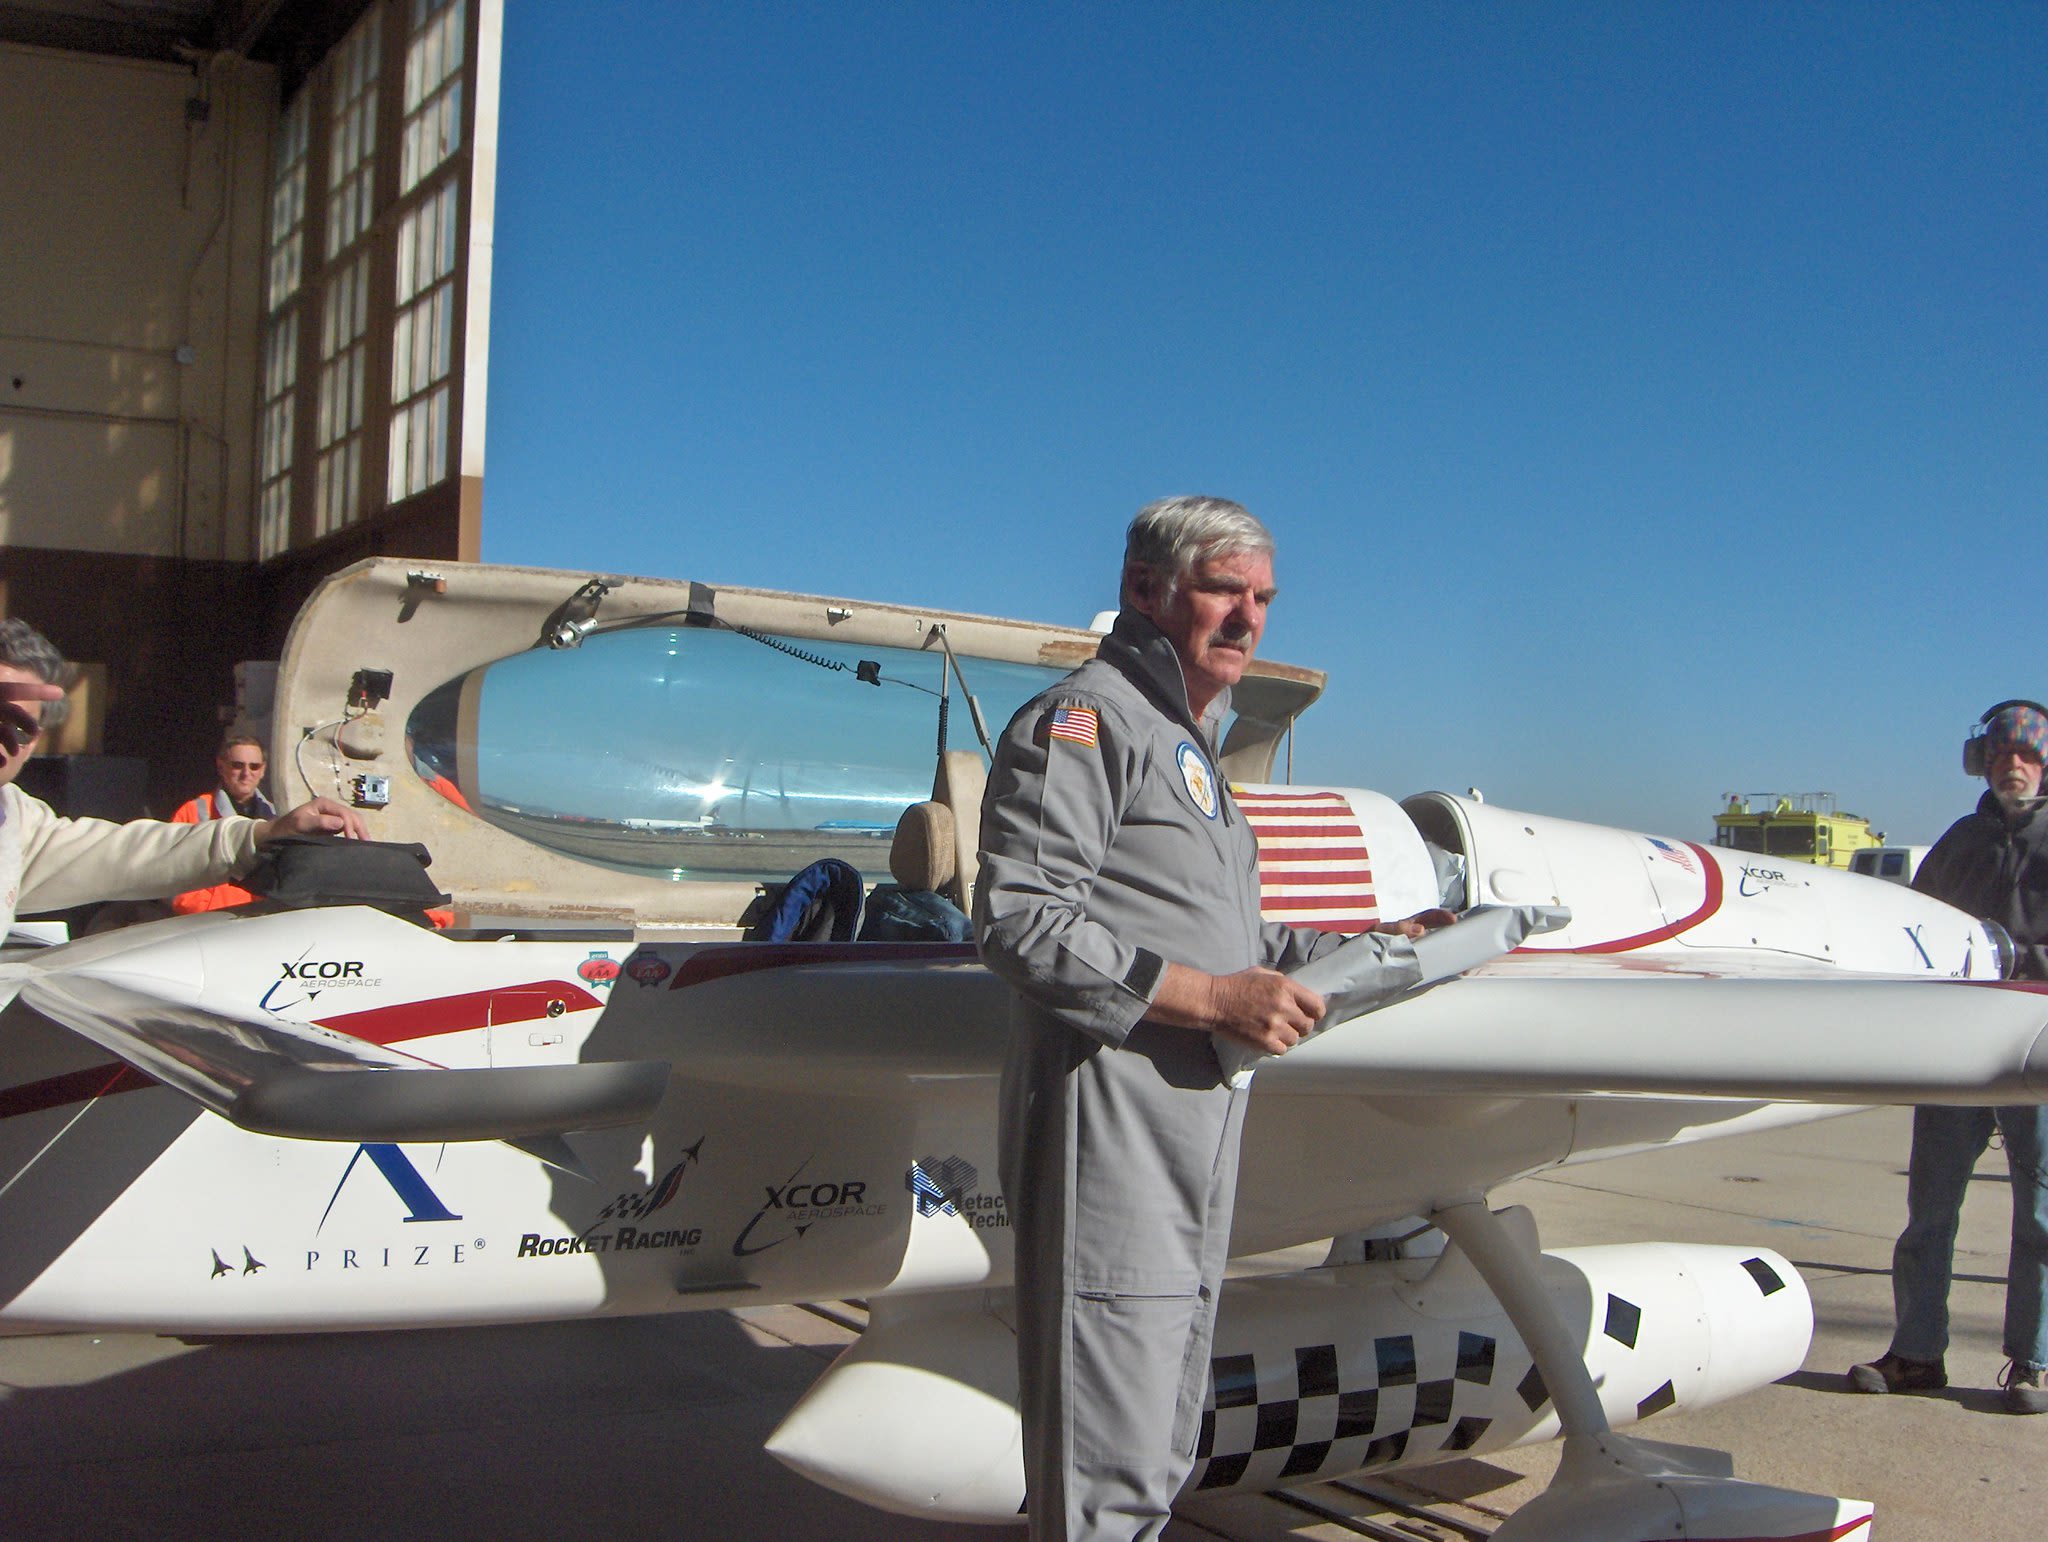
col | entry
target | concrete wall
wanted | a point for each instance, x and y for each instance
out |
(129, 305)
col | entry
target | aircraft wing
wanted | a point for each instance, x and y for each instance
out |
(1566, 1025)
(875, 1018)
(278, 1077)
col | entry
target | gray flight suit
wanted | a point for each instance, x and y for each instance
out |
(1100, 863)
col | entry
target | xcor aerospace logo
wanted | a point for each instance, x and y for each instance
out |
(304, 978)
(793, 1208)
(1757, 880)
(945, 1186)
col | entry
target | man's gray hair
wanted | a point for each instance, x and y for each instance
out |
(23, 647)
(1173, 535)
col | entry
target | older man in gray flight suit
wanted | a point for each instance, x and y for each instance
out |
(1119, 896)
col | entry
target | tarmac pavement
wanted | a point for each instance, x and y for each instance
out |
(653, 1427)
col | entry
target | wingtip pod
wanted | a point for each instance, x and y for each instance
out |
(1618, 1488)
(919, 1416)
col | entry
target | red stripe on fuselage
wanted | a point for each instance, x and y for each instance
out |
(455, 1014)
(1708, 905)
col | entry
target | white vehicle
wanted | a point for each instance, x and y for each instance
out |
(1894, 864)
(334, 1118)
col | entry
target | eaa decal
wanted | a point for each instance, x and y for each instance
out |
(646, 969)
(600, 969)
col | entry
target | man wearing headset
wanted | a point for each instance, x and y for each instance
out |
(1994, 864)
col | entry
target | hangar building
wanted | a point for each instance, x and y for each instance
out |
(244, 326)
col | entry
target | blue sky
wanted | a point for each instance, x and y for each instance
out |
(1650, 401)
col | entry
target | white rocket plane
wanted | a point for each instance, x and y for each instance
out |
(590, 1098)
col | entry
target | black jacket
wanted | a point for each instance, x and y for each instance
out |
(1995, 866)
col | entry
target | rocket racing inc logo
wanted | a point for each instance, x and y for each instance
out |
(635, 1205)
(638, 1202)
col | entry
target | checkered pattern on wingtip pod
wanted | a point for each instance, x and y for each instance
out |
(1283, 1419)
(1302, 1414)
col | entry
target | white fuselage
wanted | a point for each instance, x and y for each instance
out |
(829, 1128)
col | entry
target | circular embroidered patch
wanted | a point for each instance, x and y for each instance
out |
(1194, 772)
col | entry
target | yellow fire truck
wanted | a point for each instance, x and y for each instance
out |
(1803, 826)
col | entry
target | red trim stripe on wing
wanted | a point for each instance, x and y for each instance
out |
(96, 1081)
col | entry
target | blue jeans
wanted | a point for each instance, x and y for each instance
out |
(1946, 1145)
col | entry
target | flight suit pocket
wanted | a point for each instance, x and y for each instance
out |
(1130, 1351)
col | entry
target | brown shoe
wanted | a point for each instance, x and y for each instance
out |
(1895, 1373)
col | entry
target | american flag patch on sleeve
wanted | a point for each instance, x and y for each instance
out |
(1077, 725)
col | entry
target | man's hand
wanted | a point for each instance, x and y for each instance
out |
(1259, 1007)
(18, 725)
(1414, 926)
(1264, 1009)
(316, 816)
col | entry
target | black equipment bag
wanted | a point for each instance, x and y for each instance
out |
(296, 872)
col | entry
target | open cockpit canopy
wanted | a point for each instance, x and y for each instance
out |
(651, 750)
